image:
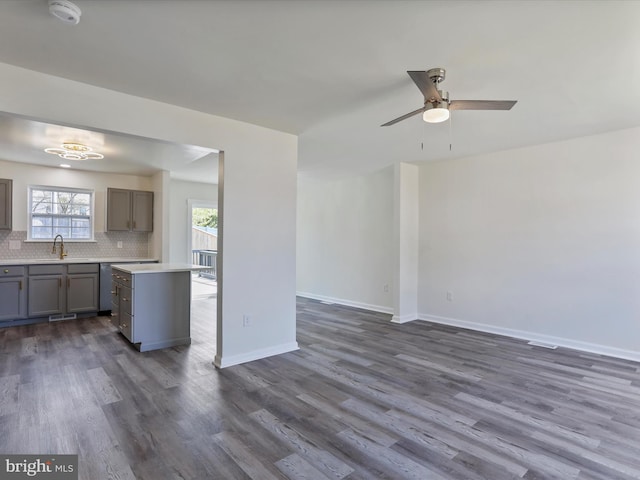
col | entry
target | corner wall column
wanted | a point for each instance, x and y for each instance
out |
(405, 241)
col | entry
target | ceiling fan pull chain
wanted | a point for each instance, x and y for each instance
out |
(450, 133)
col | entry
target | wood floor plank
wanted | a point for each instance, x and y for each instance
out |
(297, 468)
(244, 457)
(318, 457)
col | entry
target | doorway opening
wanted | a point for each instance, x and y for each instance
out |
(202, 240)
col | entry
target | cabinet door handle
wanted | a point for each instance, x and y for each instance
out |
(6, 270)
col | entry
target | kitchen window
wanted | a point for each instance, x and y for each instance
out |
(60, 211)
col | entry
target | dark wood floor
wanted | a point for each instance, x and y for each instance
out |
(362, 398)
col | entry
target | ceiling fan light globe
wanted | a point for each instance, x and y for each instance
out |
(436, 114)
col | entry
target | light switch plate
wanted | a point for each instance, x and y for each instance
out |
(14, 245)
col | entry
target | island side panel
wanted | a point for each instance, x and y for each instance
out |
(161, 309)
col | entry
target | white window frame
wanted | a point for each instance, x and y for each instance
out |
(54, 188)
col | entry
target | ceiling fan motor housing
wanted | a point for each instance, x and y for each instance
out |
(436, 75)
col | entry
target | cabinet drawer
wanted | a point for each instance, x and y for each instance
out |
(46, 269)
(83, 268)
(121, 277)
(125, 300)
(7, 271)
(126, 325)
(115, 318)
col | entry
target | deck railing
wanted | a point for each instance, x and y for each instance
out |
(206, 258)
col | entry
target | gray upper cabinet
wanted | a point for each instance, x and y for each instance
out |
(129, 210)
(6, 198)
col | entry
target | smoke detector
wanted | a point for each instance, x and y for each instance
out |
(66, 11)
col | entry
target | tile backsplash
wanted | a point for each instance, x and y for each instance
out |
(134, 245)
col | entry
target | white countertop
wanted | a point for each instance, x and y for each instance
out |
(53, 259)
(159, 268)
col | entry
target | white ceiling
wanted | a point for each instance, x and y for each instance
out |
(24, 140)
(333, 71)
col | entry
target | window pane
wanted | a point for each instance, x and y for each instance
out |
(64, 231)
(80, 233)
(61, 222)
(42, 207)
(82, 199)
(41, 196)
(80, 223)
(41, 232)
(79, 210)
(40, 221)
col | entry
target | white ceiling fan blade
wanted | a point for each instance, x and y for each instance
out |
(481, 104)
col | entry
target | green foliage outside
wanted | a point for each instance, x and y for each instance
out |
(205, 217)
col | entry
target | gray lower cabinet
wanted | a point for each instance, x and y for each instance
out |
(83, 287)
(152, 310)
(13, 293)
(46, 295)
(62, 289)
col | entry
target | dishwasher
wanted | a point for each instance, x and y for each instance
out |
(105, 289)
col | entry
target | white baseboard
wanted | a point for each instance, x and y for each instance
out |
(228, 361)
(404, 318)
(537, 337)
(348, 303)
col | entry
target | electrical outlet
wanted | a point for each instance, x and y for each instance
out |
(386, 287)
(246, 321)
(450, 296)
(120, 244)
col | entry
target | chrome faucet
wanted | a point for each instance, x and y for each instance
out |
(62, 252)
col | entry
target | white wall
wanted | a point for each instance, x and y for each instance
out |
(159, 237)
(539, 242)
(345, 240)
(259, 197)
(24, 175)
(180, 192)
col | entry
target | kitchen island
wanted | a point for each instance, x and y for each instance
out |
(151, 303)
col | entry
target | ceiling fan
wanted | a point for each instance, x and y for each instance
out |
(436, 102)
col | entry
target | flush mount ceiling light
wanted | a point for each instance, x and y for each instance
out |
(65, 11)
(75, 151)
(436, 113)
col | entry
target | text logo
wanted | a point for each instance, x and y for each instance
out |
(49, 467)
